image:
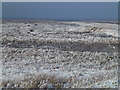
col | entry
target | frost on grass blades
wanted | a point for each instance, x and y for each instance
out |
(59, 54)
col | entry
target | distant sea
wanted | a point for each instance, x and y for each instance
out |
(61, 11)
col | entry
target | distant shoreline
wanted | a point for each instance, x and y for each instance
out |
(35, 20)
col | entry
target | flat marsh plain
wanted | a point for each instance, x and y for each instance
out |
(59, 54)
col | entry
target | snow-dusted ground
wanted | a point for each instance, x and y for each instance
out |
(77, 54)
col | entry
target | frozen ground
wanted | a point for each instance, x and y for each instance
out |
(45, 54)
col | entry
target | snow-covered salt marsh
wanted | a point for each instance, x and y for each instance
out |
(76, 54)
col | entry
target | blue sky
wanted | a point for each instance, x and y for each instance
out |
(60, 10)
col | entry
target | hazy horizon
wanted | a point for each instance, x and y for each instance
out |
(60, 10)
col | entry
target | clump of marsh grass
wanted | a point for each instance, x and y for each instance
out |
(41, 81)
(94, 28)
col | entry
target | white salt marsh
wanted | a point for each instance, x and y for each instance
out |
(76, 54)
